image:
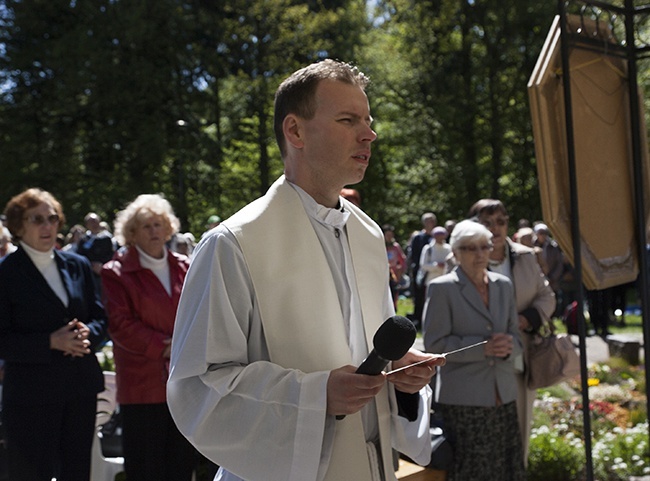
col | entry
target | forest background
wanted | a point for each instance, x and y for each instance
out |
(102, 100)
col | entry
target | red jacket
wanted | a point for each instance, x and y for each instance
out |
(141, 317)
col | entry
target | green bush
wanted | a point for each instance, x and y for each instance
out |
(556, 455)
(105, 358)
(558, 391)
(622, 453)
(619, 426)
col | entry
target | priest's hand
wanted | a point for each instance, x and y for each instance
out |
(414, 378)
(348, 392)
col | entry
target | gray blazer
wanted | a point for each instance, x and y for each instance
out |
(455, 316)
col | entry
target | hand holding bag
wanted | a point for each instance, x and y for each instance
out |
(550, 359)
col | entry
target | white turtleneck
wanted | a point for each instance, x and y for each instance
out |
(160, 267)
(44, 262)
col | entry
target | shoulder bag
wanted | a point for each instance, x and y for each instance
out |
(550, 359)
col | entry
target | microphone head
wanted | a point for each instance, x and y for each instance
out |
(394, 338)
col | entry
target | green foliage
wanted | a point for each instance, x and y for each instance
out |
(558, 391)
(622, 453)
(404, 306)
(615, 371)
(102, 101)
(619, 426)
(555, 455)
(105, 358)
(451, 105)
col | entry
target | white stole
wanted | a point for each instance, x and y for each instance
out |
(299, 305)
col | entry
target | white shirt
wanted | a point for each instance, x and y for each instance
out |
(432, 254)
(44, 262)
(160, 267)
(502, 267)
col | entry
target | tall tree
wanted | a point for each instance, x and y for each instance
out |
(92, 85)
(459, 69)
(105, 99)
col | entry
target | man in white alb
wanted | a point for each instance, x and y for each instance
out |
(280, 306)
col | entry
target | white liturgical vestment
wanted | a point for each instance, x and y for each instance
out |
(259, 327)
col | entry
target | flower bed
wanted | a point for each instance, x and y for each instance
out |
(619, 426)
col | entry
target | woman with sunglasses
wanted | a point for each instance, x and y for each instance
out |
(533, 294)
(477, 389)
(51, 322)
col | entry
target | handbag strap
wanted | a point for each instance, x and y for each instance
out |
(546, 329)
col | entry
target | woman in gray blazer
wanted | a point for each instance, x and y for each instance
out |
(477, 388)
(534, 297)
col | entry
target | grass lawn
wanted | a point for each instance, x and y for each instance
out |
(404, 306)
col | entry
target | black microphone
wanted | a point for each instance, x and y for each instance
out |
(392, 340)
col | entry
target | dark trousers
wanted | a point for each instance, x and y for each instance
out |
(154, 449)
(599, 306)
(50, 440)
(419, 299)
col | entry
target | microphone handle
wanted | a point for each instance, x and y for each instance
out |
(372, 365)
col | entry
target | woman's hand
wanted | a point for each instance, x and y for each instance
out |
(72, 339)
(499, 345)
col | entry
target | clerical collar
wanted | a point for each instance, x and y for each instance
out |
(332, 217)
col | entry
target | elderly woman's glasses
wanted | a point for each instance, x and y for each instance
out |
(475, 249)
(38, 219)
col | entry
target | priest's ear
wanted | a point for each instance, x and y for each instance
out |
(293, 131)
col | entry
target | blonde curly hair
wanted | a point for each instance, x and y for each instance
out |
(143, 207)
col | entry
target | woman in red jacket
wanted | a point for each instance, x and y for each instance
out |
(141, 288)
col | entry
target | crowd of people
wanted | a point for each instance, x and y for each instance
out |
(245, 353)
(427, 255)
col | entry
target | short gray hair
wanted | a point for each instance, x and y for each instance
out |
(428, 216)
(467, 231)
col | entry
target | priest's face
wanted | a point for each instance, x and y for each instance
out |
(332, 149)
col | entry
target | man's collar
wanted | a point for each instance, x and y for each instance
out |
(333, 217)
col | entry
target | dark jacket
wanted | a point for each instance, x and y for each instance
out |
(29, 312)
(96, 248)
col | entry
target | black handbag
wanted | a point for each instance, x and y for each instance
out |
(110, 436)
